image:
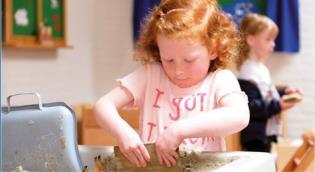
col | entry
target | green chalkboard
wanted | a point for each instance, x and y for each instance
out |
(34, 23)
(53, 16)
(24, 15)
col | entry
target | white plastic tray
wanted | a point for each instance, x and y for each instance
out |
(248, 161)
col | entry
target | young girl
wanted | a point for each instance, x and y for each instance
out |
(185, 95)
(265, 103)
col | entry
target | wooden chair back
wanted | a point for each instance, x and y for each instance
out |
(302, 158)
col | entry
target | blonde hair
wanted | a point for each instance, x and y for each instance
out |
(253, 24)
(192, 20)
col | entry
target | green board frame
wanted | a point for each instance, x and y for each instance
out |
(23, 17)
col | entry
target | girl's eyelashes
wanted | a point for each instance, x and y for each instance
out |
(169, 60)
(189, 60)
(172, 60)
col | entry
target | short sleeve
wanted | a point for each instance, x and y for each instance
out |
(226, 84)
(135, 82)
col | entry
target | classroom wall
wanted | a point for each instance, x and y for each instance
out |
(100, 33)
(113, 44)
(100, 36)
(58, 75)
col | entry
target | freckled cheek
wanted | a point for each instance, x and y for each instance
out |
(198, 71)
(169, 69)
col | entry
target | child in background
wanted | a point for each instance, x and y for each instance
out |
(265, 103)
(186, 96)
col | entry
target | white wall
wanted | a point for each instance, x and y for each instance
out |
(100, 33)
(58, 75)
(113, 44)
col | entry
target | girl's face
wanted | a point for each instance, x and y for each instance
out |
(185, 64)
(261, 44)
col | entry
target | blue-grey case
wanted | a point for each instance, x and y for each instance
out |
(40, 137)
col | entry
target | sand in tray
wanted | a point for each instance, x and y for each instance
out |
(189, 162)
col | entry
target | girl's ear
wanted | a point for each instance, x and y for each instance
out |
(249, 40)
(213, 55)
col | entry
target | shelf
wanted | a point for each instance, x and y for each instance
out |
(35, 46)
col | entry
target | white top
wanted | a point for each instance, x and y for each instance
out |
(162, 103)
(259, 73)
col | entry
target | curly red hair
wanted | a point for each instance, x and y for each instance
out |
(192, 20)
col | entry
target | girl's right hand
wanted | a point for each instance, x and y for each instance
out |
(133, 148)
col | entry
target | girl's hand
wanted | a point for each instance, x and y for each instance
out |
(290, 90)
(132, 148)
(286, 105)
(166, 145)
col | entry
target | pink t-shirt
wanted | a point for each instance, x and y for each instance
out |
(162, 103)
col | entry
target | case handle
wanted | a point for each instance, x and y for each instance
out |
(39, 99)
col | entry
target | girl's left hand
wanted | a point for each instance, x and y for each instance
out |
(166, 145)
